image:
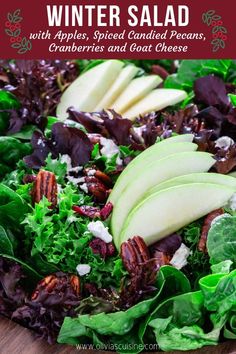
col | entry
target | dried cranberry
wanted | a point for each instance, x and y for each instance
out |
(110, 249)
(86, 210)
(99, 247)
(29, 179)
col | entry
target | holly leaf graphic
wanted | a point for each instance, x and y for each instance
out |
(16, 13)
(16, 45)
(22, 50)
(10, 17)
(8, 32)
(17, 32)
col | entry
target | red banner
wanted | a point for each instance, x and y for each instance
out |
(117, 29)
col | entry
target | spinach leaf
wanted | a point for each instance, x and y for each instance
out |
(6, 245)
(75, 333)
(12, 208)
(190, 70)
(219, 292)
(221, 240)
(171, 337)
(11, 151)
(7, 101)
(222, 267)
(230, 327)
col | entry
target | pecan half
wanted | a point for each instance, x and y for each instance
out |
(45, 186)
(134, 252)
(206, 227)
(55, 286)
(97, 189)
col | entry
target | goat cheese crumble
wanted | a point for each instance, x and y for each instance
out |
(110, 149)
(179, 259)
(83, 269)
(84, 187)
(100, 231)
(224, 142)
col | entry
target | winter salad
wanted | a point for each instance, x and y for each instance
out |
(118, 201)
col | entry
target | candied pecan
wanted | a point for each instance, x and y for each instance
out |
(103, 177)
(97, 189)
(206, 227)
(75, 283)
(159, 70)
(45, 185)
(162, 258)
(106, 211)
(134, 252)
(54, 287)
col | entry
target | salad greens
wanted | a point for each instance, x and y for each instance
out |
(42, 247)
(222, 229)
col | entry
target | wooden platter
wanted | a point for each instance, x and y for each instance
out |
(15, 339)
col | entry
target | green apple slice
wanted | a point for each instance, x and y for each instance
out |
(153, 153)
(232, 174)
(154, 173)
(168, 210)
(89, 88)
(136, 90)
(215, 178)
(155, 101)
(124, 78)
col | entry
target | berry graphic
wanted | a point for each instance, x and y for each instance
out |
(19, 39)
(216, 35)
(13, 27)
(17, 25)
(224, 37)
(219, 23)
(13, 40)
(213, 23)
(7, 24)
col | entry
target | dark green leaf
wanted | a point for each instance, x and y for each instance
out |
(232, 99)
(7, 101)
(221, 241)
(26, 132)
(190, 70)
(32, 275)
(12, 207)
(6, 246)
